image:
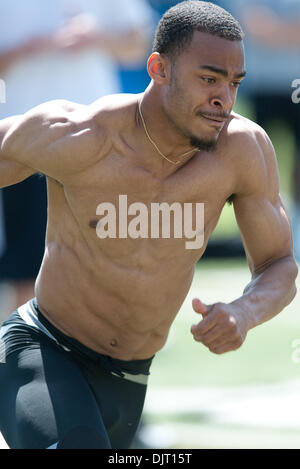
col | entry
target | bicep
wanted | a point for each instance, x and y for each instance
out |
(5, 126)
(11, 172)
(260, 213)
(265, 230)
(48, 140)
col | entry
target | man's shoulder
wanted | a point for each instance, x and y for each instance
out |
(246, 142)
(113, 112)
(92, 127)
(244, 134)
(250, 152)
(54, 108)
(55, 117)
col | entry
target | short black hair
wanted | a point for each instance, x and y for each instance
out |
(176, 28)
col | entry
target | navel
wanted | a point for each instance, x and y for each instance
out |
(93, 224)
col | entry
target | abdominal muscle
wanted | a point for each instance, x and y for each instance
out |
(117, 309)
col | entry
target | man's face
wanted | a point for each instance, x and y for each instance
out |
(203, 87)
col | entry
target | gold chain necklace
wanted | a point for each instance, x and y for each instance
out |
(154, 144)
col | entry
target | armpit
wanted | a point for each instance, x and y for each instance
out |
(230, 199)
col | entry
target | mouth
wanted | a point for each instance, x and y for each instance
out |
(215, 121)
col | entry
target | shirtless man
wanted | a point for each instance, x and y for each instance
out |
(76, 358)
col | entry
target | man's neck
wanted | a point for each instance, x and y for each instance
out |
(164, 135)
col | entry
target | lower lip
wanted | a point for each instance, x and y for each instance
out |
(213, 122)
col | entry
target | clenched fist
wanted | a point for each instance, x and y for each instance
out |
(222, 329)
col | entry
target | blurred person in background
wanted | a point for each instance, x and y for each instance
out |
(134, 77)
(272, 29)
(63, 49)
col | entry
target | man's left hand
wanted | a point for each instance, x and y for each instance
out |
(223, 327)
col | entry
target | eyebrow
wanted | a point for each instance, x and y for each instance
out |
(221, 71)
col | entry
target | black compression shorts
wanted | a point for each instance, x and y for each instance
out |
(57, 393)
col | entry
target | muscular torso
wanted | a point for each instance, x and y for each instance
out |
(120, 296)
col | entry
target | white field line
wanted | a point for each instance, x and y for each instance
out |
(252, 406)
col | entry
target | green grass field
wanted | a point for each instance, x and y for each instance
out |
(247, 398)
(264, 358)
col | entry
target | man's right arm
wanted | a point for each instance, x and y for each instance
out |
(58, 139)
(11, 172)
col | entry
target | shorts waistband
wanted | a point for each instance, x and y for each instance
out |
(134, 370)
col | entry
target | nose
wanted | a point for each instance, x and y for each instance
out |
(224, 99)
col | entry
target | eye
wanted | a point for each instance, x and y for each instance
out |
(209, 80)
(236, 84)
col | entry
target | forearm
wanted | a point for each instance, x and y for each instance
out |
(288, 34)
(33, 45)
(127, 47)
(283, 35)
(83, 33)
(9, 57)
(269, 292)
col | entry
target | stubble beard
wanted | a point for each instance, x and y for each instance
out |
(203, 144)
(177, 98)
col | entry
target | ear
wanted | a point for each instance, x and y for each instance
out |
(157, 67)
